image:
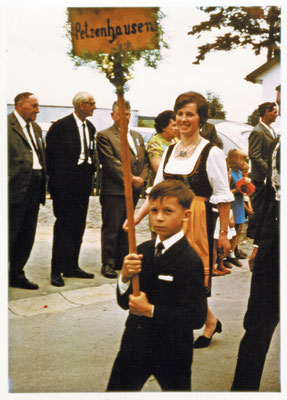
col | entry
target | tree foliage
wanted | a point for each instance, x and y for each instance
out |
(253, 119)
(215, 106)
(118, 65)
(258, 27)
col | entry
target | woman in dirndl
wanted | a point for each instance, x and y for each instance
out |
(202, 167)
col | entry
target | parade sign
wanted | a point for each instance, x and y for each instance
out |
(103, 29)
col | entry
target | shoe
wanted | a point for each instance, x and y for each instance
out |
(57, 280)
(227, 264)
(234, 261)
(78, 273)
(223, 269)
(203, 341)
(108, 271)
(23, 283)
(217, 272)
(117, 267)
(240, 254)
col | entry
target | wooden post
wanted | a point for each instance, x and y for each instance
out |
(128, 185)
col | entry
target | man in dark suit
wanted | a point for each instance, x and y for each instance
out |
(262, 314)
(27, 184)
(70, 166)
(208, 131)
(260, 140)
(114, 238)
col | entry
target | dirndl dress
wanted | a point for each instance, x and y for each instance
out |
(200, 226)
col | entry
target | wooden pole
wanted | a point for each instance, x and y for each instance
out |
(128, 185)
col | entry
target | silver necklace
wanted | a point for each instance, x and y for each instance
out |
(189, 151)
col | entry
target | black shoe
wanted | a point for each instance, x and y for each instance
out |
(227, 264)
(234, 261)
(240, 254)
(203, 341)
(23, 283)
(108, 271)
(78, 273)
(57, 280)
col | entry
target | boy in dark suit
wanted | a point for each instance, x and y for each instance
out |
(158, 339)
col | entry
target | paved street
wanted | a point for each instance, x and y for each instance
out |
(65, 339)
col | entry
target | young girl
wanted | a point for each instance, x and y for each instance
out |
(236, 160)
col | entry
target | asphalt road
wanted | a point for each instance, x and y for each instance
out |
(64, 340)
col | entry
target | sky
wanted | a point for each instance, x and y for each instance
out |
(37, 61)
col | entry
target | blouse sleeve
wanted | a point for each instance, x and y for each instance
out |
(218, 177)
(154, 148)
(159, 175)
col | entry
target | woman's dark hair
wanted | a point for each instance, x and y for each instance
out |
(163, 119)
(196, 98)
(173, 188)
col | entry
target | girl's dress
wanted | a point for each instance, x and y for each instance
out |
(205, 172)
(238, 204)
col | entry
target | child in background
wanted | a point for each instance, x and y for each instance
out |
(246, 198)
(236, 159)
(158, 338)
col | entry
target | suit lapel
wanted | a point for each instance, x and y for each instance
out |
(38, 138)
(266, 131)
(17, 128)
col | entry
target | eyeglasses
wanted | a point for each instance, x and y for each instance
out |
(92, 103)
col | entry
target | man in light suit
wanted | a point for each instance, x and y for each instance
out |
(260, 140)
(27, 184)
(114, 239)
(70, 166)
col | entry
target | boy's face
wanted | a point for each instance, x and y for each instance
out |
(166, 216)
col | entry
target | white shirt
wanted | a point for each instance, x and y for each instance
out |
(271, 130)
(215, 167)
(23, 123)
(81, 132)
(123, 287)
(132, 143)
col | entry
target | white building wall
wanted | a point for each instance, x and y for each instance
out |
(270, 80)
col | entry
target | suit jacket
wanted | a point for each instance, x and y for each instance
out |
(208, 131)
(175, 285)
(20, 160)
(268, 226)
(63, 150)
(260, 141)
(109, 152)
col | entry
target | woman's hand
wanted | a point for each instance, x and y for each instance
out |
(137, 219)
(224, 244)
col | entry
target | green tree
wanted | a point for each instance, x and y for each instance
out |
(215, 106)
(258, 27)
(253, 119)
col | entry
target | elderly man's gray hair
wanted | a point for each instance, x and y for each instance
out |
(81, 97)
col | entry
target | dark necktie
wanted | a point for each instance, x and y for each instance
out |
(158, 251)
(34, 144)
(86, 151)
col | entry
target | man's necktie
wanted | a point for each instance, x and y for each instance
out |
(158, 250)
(34, 144)
(86, 150)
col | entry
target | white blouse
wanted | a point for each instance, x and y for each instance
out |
(215, 167)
